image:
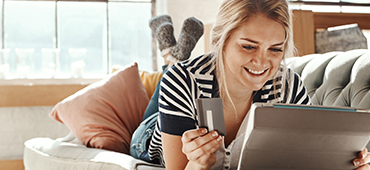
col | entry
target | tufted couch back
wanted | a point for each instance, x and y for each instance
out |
(336, 78)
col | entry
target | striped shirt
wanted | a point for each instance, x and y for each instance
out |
(184, 82)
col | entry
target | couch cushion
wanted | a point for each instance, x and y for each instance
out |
(357, 92)
(18, 124)
(106, 113)
(312, 74)
(46, 153)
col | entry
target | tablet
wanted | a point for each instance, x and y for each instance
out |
(285, 136)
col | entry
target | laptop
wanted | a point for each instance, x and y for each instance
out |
(285, 136)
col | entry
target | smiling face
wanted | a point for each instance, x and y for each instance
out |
(253, 53)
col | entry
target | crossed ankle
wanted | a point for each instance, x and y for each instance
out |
(165, 52)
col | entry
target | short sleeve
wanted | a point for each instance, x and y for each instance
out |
(176, 105)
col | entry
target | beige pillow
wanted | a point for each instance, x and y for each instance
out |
(106, 113)
(150, 80)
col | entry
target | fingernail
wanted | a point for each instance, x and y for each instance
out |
(219, 138)
(204, 131)
(355, 163)
(364, 155)
(214, 134)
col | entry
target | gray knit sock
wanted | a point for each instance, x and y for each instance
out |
(163, 30)
(155, 22)
(191, 31)
(165, 37)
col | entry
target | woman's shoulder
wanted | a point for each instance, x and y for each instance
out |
(203, 64)
(297, 91)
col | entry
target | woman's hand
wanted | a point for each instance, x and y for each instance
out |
(199, 147)
(362, 160)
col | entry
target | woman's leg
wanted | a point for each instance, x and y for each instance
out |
(190, 33)
(163, 30)
(153, 103)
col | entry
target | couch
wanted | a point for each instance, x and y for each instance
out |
(332, 79)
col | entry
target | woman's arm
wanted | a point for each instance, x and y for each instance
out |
(172, 154)
(194, 150)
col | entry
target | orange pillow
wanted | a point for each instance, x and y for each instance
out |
(106, 113)
(150, 81)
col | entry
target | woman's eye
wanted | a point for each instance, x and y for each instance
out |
(249, 47)
(276, 50)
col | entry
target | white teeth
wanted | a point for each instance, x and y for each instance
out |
(256, 72)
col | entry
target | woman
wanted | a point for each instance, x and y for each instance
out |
(251, 40)
(172, 52)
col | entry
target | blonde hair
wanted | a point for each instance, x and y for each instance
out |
(232, 14)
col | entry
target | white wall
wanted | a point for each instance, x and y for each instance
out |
(179, 10)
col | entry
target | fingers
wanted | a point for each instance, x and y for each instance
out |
(199, 146)
(194, 139)
(203, 140)
(362, 160)
(363, 153)
(192, 134)
(364, 167)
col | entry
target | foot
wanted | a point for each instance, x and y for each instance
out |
(191, 31)
(155, 22)
(165, 37)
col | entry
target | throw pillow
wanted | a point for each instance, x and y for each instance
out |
(150, 81)
(106, 113)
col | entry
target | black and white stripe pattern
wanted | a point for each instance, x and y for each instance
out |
(195, 78)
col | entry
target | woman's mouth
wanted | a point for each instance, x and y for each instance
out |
(255, 72)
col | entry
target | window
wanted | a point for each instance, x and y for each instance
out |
(133, 27)
(335, 6)
(26, 33)
(63, 39)
(346, 6)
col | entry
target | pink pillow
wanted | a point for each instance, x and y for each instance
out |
(106, 113)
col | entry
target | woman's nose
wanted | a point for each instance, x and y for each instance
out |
(260, 58)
